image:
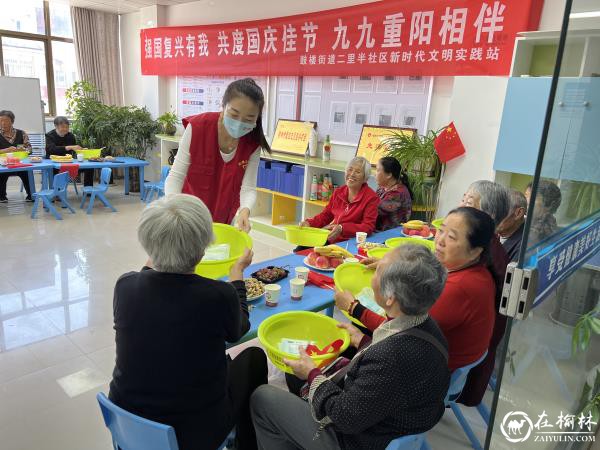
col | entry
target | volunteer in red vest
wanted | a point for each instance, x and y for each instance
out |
(218, 155)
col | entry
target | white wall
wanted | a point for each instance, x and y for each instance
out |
(476, 110)
(129, 30)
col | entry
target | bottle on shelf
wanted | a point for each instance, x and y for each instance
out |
(327, 149)
(313, 143)
(327, 188)
(320, 188)
(313, 188)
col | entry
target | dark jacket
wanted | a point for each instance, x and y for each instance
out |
(171, 365)
(513, 244)
(397, 388)
(55, 144)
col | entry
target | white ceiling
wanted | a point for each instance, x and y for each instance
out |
(127, 6)
(122, 6)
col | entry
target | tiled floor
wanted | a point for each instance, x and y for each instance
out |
(56, 337)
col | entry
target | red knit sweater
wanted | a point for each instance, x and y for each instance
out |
(464, 312)
(357, 215)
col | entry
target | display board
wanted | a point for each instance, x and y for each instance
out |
(371, 144)
(22, 96)
(198, 94)
(292, 136)
(343, 105)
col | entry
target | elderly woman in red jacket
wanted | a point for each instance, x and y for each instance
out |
(352, 208)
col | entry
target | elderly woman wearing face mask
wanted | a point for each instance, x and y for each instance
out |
(352, 208)
(218, 155)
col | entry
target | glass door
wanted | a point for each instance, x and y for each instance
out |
(548, 385)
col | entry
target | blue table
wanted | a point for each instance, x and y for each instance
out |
(45, 166)
(123, 162)
(314, 298)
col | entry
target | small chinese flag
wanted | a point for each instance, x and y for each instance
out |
(448, 144)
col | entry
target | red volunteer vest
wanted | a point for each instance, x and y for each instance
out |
(209, 178)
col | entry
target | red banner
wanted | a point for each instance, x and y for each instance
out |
(406, 37)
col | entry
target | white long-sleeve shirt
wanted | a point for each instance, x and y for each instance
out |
(179, 171)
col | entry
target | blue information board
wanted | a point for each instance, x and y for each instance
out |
(559, 260)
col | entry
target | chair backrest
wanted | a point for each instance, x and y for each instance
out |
(130, 432)
(38, 144)
(459, 378)
(412, 442)
(164, 173)
(60, 182)
(105, 176)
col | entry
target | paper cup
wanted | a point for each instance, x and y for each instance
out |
(351, 260)
(297, 288)
(361, 237)
(80, 157)
(302, 272)
(272, 292)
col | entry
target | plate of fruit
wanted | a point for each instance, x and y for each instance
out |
(327, 258)
(270, 274)
(254, 289)
(416, 229)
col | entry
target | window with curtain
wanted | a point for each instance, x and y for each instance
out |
(32, 49)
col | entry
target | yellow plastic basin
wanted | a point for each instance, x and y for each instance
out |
(302, 325)
(238, 241)
(378, 252)
(306, 236)
(398, 241)
(20, 155)
(437, 222)
(353, 278)
(90, 152)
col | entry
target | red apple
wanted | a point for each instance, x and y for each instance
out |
(406, 231)
(414, 233)
(322, 262)
(433, 231)
(424, 233)
(425, 227)
(312, 258)
(334, 262)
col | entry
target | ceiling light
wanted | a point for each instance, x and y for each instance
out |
(584, 15)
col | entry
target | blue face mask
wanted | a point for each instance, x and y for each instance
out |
(237, 128)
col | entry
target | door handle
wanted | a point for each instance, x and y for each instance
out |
(586, 103)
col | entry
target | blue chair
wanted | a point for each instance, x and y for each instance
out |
(131, 432)
(98, 191)
(59, 191)
(156, 187)
(457, 383)
(412, 442)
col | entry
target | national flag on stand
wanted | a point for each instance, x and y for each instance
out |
(448, 144)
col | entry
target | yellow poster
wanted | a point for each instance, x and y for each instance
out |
(372, 138)
(292, 136)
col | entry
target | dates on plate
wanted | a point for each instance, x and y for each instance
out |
(270, 274)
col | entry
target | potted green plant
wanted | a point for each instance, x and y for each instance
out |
(416, 154)
(168, 122)
(586, 327)
(122, 130)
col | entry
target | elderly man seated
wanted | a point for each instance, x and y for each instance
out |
(511, 228)
(395, 384)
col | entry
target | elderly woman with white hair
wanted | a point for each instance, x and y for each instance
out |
(171, 329)
(352, 208)
(395, 384)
